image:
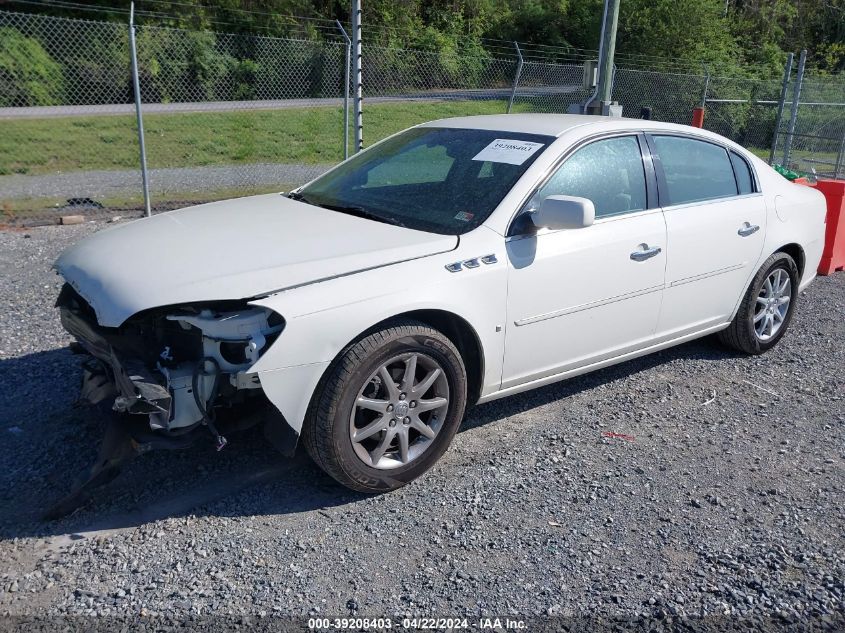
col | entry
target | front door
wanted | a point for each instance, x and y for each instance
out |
(583, 295)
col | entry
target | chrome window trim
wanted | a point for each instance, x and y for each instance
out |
(650, 134)
(552, 169)
(698, 203)
(646, 133)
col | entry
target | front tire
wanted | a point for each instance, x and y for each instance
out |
(387, 408)
(766, 309)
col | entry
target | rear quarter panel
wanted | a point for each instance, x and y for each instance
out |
(795, 215)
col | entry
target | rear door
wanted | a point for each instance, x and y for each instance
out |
(715, 223)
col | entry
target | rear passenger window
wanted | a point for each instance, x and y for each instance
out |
(695, 170)
(744, 182)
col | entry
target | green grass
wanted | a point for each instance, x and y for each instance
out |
(802, 160)
(132, 205)
(301, 135)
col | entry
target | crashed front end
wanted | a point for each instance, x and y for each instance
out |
(184, 367)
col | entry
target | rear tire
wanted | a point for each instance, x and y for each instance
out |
(766, 309)
(387, 408)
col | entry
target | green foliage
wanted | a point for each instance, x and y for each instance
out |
(683, 30)
(182, 66)
(208, 60)
(28, 75)
(730, 35)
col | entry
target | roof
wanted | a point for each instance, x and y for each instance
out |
(547, 124)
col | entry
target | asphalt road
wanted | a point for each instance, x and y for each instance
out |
(693, 486)
(111, 109)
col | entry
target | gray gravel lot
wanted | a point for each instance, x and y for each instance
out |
(182, 180)
(723, 495)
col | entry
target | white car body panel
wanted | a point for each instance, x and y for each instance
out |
(552, 306)
(577, 317)
(709, 263)
(322, 319)
(230, 250)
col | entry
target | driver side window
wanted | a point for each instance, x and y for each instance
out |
(609, 172)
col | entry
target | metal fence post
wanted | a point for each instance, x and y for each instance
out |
(784, 88)
(359, 97)
(793, 117)
(840, 158)
(516, 76)
(138, 115)
(345, 90)
(706, 86)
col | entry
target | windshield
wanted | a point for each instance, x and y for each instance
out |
(441, 180)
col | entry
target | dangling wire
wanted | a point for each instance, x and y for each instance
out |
(206, 407)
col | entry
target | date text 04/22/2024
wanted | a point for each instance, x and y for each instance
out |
(417, 624)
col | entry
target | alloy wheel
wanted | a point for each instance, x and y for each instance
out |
(772, 304)
(399, 411)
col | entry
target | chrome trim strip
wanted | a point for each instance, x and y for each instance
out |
(712, 273)
(630, 295)
(586, 306)
(699, 203)
(592, 366)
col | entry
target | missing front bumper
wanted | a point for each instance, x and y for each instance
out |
(134, 389)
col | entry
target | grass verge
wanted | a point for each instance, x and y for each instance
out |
(296, 136)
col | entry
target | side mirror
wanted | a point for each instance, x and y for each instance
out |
(564, 212)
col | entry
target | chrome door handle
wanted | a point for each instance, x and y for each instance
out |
(747, 229)
(645, 253)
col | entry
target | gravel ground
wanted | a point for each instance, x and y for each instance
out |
(692, 482)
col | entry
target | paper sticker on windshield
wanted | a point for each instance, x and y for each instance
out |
(464, 216)
(504, 150)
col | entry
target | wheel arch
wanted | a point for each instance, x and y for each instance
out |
(456, 328)
(796, 253)
(794, 250)
(463, 336)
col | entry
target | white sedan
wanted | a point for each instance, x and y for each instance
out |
(453, 263)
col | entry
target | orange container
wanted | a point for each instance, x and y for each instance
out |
(833, 257)
(697, 117)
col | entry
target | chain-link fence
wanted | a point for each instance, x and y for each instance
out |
(816, 142)
(226, 115)
(58, 80)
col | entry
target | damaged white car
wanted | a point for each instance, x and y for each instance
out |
(454, 263)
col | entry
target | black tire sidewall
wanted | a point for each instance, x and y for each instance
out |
(786, 263)
(382, 480)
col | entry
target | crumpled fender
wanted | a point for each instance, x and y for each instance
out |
(321, 319)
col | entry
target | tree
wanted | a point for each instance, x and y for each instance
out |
(28, 75)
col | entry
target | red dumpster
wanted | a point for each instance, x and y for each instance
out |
(833, 257)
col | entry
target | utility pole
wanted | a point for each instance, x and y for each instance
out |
(607, 50)
(606, 60)
(356, 72)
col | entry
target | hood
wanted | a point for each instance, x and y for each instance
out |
(235, 249)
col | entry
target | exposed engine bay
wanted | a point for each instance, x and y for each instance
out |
(180, 365)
